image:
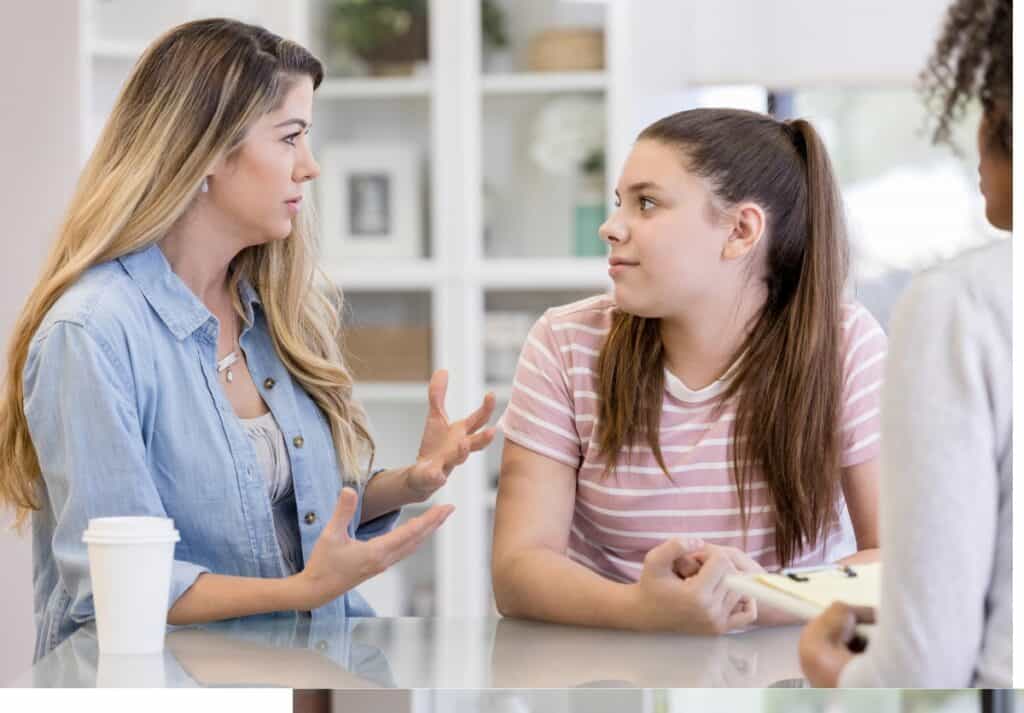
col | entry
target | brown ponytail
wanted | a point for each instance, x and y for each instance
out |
(788, 386)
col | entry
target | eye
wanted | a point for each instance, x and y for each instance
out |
(290, 139)
(646, 202)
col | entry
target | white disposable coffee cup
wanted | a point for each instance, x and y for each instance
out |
(140, 671)
(130, 562)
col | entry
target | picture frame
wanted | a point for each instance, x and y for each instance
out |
(370, 201)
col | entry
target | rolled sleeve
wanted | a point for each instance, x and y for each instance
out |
(379, 525)
(80, 407)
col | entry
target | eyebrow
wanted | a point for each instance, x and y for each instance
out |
(641, 186)
(301, 122)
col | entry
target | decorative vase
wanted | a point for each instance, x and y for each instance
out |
(589, 214)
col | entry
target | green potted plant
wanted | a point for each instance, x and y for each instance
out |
(392, 36)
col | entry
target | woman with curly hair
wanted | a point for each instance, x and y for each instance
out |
(947, 422)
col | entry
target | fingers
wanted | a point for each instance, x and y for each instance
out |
(689, 564)
(428, 529)
(344, 510)
(482, 415)
(479, 441)
(839, 623)
(822, 654)
(730, 600)
(660, 559)
(743, 562)
(744, 614)
(436, 391)
(713, 572)
(864, 615)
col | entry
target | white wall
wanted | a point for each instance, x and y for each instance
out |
(678, 44)
(39, 150)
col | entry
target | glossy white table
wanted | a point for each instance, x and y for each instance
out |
(472, 653)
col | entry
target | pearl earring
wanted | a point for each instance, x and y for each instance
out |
(204, 186)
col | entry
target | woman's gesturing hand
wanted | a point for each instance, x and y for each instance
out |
(340, 562)
(444, 444)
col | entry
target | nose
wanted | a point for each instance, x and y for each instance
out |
(613, 230)
(307, 169)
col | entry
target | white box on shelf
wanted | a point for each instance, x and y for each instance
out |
(370, 202)
(505, 332)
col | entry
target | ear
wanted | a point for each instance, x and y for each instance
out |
(216, 170)
(747, 230)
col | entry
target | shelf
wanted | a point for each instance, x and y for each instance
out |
(385, 274)
(375, 88)
(543, 83)
(393, 392)
(546, 273)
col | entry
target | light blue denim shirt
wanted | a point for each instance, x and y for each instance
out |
(128, 417)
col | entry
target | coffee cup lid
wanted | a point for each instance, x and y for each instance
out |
(131, 529)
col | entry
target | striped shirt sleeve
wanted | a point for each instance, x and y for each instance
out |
(864, 368)
(541, 414)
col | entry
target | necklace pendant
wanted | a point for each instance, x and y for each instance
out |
(230, 376)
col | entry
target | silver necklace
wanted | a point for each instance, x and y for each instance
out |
(227, 362)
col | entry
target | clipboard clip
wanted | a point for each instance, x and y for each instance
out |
(797, 576)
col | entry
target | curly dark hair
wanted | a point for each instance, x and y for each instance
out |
(973, 59)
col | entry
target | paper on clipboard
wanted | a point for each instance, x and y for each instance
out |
(812, 592)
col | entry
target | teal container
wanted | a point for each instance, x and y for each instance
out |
(588, 218)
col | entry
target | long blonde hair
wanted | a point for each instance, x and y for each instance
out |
(163, 135)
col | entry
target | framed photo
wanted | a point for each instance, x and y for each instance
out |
(370, 202)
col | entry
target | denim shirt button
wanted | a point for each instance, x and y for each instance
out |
(310, 517)
(298, 441)
(268, 383)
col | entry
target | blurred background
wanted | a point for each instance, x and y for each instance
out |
(468, 149)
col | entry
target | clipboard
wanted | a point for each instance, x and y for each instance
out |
(805, 593)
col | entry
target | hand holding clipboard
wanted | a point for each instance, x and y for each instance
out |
(806, 593)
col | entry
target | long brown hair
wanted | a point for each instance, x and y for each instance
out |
(189, 101)
(788, 384)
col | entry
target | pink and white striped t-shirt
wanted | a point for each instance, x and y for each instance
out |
(618, 518)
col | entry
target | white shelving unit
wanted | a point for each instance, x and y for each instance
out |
(473, 128)
(469, 126)
(544, 83)
(378, 88)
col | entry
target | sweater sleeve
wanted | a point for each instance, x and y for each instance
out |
(938, 494)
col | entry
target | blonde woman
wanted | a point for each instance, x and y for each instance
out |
(179, 357)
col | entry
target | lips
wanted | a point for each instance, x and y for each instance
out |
(617, 266)
(295, 200)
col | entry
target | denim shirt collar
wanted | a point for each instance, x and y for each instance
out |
(177, 306)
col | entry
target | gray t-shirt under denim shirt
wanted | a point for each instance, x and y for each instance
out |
(272, 459)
